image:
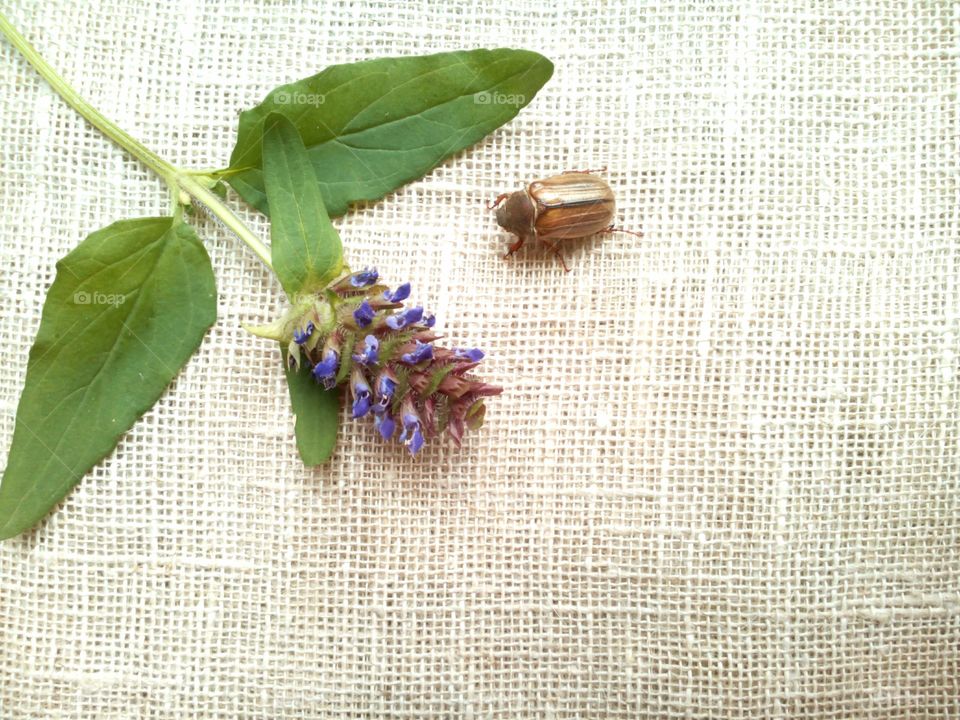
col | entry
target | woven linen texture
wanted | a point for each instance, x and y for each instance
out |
(722, 480)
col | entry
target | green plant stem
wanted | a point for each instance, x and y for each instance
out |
(216, 206)
(177, 179)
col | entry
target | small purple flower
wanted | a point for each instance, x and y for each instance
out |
(429, 321)
(370, 354)
(364, 314)
(386, 386)
(361, 393)
(471, 354)
(423, 351)
(326, 369)
(301, 336)
(412, 435)
(404, 318)
(367, 276)
(385, 425)
(398, 295)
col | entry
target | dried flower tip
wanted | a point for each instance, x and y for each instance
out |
(429, 415)
(398, 295)
(475, 415)
(364, 314)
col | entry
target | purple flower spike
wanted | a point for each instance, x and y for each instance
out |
(367, 276)
(423, 351)
(471, 354)
(364, 314)
(398, 295)
(370, 354)
(326, 369)
(359, 333)
(411, 436)
(361, 393)
(301, 336)
(385, 425)
(407, 317)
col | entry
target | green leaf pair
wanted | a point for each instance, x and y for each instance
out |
(132, 302)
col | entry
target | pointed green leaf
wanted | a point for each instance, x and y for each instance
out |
(372, 126)
(317, 412)
(127, 309)
(304, 246)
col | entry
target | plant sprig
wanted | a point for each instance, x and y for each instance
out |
(179, 181)
(132, 302)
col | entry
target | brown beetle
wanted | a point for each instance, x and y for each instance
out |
(572, 205)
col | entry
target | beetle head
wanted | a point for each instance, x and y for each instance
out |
(517, 215)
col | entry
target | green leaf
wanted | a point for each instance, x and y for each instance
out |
(317, 412)
(372, 126)
(127, 309)
(304, 246)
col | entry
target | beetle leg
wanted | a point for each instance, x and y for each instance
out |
(615, 229)
(585, 172)
(500, 199)
(517, 244)
(556, 251)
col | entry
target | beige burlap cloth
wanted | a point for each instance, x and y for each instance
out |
(722, 480)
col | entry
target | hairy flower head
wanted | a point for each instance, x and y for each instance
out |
(357, 333)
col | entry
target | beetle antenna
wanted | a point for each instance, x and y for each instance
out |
(596, 170)
(500, 199)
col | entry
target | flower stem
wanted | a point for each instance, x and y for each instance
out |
(213, 203)
(177, 179)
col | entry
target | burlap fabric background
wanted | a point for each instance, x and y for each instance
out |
(722, 480)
